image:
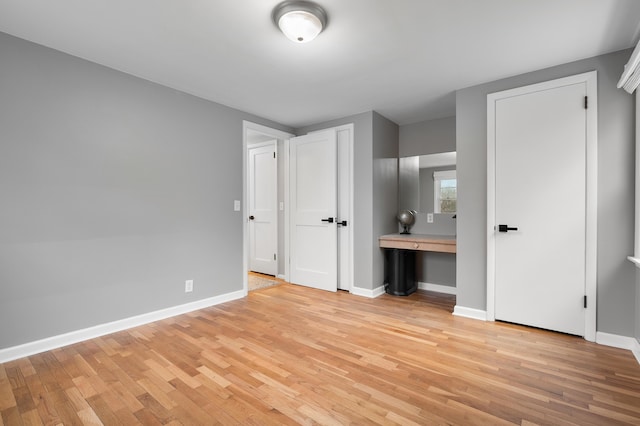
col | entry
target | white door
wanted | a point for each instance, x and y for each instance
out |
(263, 239)
(540, 225)
(313, 198)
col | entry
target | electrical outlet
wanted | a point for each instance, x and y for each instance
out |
(281, 205)
(188, 286)
(236, 205)
(429, 217)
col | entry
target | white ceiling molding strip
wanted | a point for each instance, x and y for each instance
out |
(631, 76)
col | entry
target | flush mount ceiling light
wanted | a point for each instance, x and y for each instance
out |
(300, 21)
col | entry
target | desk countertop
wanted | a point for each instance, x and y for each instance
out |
(419, 242)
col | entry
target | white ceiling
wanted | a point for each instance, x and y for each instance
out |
(401, 58)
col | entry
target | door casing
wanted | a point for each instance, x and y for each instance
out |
(590, 79)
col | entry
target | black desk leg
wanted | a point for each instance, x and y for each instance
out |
(399, 271)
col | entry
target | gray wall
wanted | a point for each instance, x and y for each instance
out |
(616, 293)
(428, 137)
(637, 306)
(385, 188)
(437, 268)
(409, 183)
(114, 192)
(369, 223)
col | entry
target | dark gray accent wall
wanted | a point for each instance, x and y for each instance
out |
(385, 188)
(372, 187)
(616, 281)
(428, 137)
(409, 183)
(114, 192)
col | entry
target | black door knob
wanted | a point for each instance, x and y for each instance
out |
(251, 217)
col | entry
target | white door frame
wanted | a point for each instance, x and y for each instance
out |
(275, 134)
(591, 255)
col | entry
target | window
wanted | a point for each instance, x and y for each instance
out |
(445, 191)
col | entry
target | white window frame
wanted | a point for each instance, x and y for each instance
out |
(437, 177)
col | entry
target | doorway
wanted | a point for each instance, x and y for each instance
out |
(541, 205)
(263, 142)
(345, 181)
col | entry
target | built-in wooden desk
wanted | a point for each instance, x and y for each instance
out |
(400, 258)
(418, 242)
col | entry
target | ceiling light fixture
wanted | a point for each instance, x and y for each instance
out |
(300, 21)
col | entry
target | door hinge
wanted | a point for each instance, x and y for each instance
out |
(585, 301)
(274, 155)
(586, 102)
(274, 256)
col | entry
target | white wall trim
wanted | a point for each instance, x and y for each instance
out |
(55, 342)
(477, 314)
(439, 288)
(621, 342)
(634, 260)
(636, 350)
(365, 292)
(591, 255)
(615, 341)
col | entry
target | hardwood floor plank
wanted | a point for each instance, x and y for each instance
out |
(30, 418)
(293, 355)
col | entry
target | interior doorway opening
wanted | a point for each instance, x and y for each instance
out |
(264, 198)
(254, 135)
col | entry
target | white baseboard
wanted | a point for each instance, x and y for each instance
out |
(365, 292)
(437, 288)
(54, 342)
(281, 276)
(621, 342)
(615, 341)
(636, 350)
(477, 314)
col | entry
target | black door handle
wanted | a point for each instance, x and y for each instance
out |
(341, 223)
(506, 228)
(330, 220)
(251, 217)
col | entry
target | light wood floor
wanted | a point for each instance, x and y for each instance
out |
(288, 354)
(257, 281)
